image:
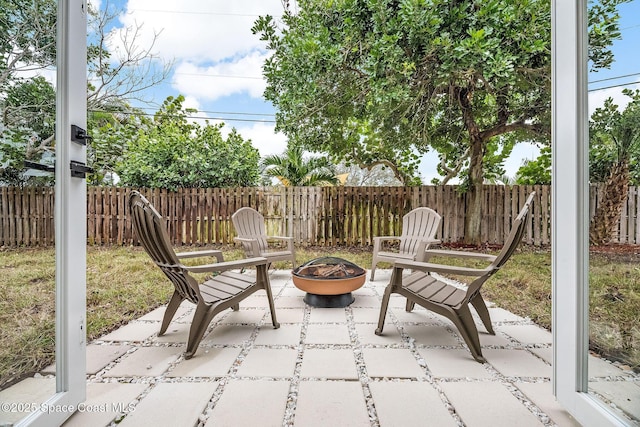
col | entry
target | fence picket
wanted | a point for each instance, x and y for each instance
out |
(326, 216)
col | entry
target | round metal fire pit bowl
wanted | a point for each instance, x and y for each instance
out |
(328, 281)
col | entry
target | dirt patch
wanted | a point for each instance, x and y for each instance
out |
(616, 252)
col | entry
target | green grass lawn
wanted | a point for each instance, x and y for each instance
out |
(123, 284)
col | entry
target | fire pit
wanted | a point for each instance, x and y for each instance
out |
(328, 281)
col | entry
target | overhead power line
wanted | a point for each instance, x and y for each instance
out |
(614, 86)
(249, 15)
(224, 119)
(239, 113)
(630, 27)
(614, 78)
(230, 119)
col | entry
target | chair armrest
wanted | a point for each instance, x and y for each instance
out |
(377, 241)
(244, 240)
(198, 254)
(383, 238)
(421, 253)
(441, 268)
(250, 245)
(460, 254)
(287, 239)
(280, 238)
(227, 265)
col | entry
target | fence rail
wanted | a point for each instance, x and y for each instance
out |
(325, 216)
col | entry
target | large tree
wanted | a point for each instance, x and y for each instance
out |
(615, 145)
(172, 152)
(381, 81)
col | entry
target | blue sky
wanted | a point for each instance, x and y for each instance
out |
(217, 64)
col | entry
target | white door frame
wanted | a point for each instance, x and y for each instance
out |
(570, 216)
(70, 219)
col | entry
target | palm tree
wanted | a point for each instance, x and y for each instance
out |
(293, 170)
(617, 134)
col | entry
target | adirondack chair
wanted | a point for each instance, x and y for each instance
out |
(421, 288)
(418, 230)
(225, 289)
(249, 225)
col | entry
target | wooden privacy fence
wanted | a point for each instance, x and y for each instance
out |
(325, 216)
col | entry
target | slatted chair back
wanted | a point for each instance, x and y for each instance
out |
(419, 228)
(512, 242)
(152, 233)
(249, 224)
(417, 225)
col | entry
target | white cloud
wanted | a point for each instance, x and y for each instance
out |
(597, 98)
(191, 102)
(28, 72)
(198, 31)
(264, 138)
(522, 151)
(204, 40)
(240, 75)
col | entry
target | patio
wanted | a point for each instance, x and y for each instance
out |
(323, 367)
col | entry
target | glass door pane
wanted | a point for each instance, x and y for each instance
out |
(614, 276)
(42, 290)
(28, 264)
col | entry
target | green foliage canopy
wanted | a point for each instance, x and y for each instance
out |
(171, 152)
(381, 81)
(536, 171)
(27, 36)
(27, 130)
(294, 170)
(614, 136)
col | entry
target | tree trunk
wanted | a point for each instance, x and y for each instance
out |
(473, 214)
(604, 223)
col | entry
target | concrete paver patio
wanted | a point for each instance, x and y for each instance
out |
(322, 367)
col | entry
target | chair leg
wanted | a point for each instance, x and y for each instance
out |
(373, 269)
(201, 319)
(467, 327)
(172, 307)
(481, 308)
(263, 277)
(235, 307)
(410, 305)
(383, 309)
(396, 281)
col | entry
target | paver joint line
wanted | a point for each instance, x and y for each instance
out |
(417, 342)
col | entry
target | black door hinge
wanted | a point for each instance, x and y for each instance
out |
(79, 135)
(79, 169)
(39, 166)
